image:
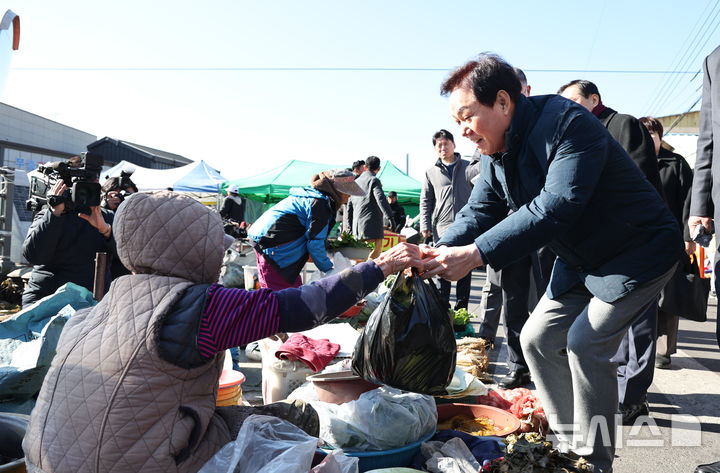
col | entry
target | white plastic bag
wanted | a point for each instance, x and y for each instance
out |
(340, 263)
(337, 462)
(381, 419)
(453, 457)
(266, 444)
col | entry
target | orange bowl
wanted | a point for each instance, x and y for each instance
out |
(505, 423)
(230, 378)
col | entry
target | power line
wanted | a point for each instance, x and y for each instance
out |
(691, 56)
(678, 56)
(325, 69)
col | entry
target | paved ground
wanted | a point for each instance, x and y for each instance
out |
(684, 428)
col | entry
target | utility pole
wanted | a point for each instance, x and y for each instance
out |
(407, 163)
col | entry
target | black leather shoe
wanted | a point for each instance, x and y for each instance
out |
(515, 379)
(709, 468)
(633, 411)
(662, 362)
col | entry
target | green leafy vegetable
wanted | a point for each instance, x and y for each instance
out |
(461, 317)
(347, 240)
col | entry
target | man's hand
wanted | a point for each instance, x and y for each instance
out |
(451, 263)
(426, 233)
(706, 222)
(113, 199)
(690, 247)
(58, 189)
(96, 220)
(399, 257)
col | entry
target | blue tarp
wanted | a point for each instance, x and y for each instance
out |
(28, 341)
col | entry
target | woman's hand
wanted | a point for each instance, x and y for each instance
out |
(451, 263)
(399, 257)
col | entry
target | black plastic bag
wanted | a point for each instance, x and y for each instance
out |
(686, 293)
(408, 342)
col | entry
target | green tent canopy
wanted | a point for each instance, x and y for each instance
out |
(274, 185)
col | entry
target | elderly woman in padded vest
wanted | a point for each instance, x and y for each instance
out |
(134, 381)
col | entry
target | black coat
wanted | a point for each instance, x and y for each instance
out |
(636, 140)
(676, 178)
(62, 249)
(232, 210)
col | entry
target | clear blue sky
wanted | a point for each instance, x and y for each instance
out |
(148, 72)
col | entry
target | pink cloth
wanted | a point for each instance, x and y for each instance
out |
(314, 353)
(269, 277)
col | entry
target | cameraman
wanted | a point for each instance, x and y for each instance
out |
(115, 190)
(61, 244)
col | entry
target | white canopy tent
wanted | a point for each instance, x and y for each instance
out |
(194, 177)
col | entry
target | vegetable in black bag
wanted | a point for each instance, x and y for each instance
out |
(408, 342)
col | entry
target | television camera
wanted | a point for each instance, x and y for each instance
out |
(83, 190)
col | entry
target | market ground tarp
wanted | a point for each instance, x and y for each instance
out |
(28, 340)
(274, 185)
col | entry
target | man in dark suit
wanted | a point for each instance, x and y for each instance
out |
(636, 356)
(366, 213)
(704, 193)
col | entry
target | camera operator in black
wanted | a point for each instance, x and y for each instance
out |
(114, 192)
(115, 189)
(61, 244)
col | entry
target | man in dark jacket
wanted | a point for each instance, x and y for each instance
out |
(706, 181)
(636, 356)
(398, 213)
(365, 213)
(514, 292)
(573, 188)
(61, 244)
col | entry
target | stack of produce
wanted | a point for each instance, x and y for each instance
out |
(471, 356)
(531, 452)
(230, 390)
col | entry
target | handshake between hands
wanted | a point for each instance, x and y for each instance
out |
(451, 263)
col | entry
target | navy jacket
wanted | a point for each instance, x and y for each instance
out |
(572, 187)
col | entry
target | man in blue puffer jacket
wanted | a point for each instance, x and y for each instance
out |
(296, 228)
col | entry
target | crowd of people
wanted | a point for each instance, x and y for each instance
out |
(579, 214)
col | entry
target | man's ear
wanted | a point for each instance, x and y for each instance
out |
(594, 99)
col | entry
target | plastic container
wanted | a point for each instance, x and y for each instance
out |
(12, 431)
(281, 377)
(340, 387)
(402, 456)
(505, 423)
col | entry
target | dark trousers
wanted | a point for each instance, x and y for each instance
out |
(515, 283)
(636, 358)
(522, 284)
(462, 291)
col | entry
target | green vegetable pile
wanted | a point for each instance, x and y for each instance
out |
(530, 452)
(461, 317)
(347, 240)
